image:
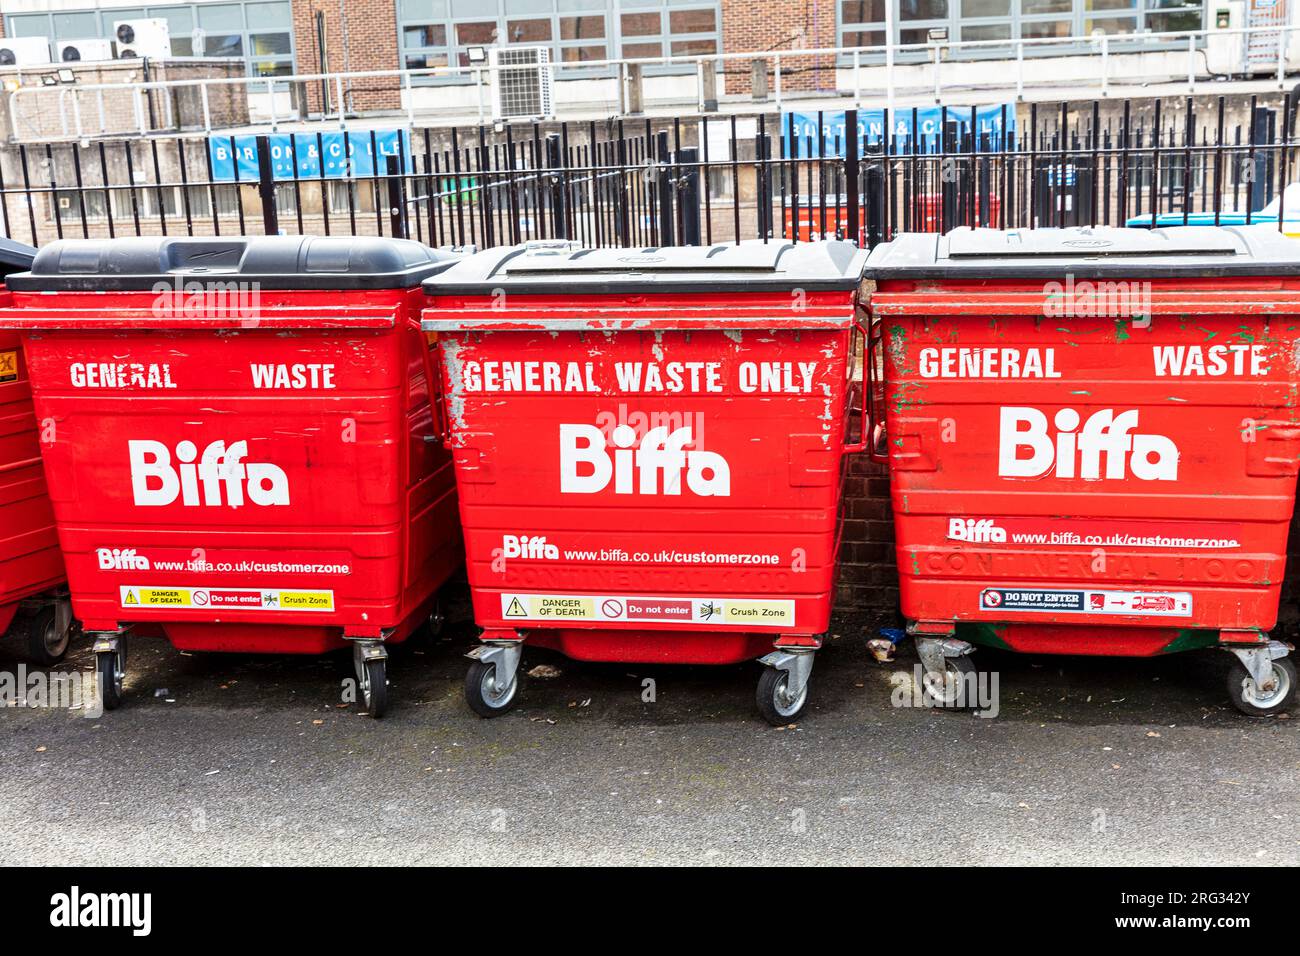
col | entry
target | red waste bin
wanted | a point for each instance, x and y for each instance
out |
(648, 448)
(34, 606)
(804, 222)
(242, 442)
(1093, 442)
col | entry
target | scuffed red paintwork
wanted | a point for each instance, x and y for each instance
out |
(30, 562)
(366, 490)
(785, 453)
(1238, 438)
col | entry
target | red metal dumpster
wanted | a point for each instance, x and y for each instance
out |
(34, 608)
(239, 451)
(648, 448)
(1093, 441)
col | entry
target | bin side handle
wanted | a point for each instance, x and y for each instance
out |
(872, 434)
(875, 400)
(432, 374)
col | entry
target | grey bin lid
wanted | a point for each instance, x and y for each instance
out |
(273, 262)
(750, 266)
(15, 256)
(1086, 253)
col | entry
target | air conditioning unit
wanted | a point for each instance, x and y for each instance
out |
(88, 50)
(24, 51)
(521, 82)
(142, 38)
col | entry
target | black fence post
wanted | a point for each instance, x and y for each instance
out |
(396, 199)
(763, 182)
(688, 195)
(266, 187)
(559, 218)
(851, 168)
(875, 195)
(664, 184)
(1262, 183)
(621, 196)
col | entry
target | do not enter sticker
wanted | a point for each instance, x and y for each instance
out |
(226, 599)
(640, 609)
(1087, 601)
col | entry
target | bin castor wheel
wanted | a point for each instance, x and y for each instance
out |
(947, 688)
(437, 623)
(109, 673)
(774, 703)
(371, 665)
(483, 695)
(374, 687)
(1246, 696)
(46, 643)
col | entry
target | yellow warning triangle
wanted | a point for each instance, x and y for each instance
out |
(516, 609)
(131, 598)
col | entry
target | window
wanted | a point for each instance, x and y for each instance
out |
(344, 195)
(96, 203)
(259, 31)
(180, 28)
(222, 26)
(286, 199)
(1166, 16)
(270, 38)
(861, 23)
(75, 26)
(578, 33)
(70, 203)
(227, 198)
(672, 29)
(146, 202)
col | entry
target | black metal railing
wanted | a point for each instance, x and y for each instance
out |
(688, 180)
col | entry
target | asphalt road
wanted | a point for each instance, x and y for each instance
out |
(253, 761)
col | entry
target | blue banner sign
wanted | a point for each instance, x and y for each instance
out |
(337, 154)
(871, 128)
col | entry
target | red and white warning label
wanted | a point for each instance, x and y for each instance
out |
(638, 609)
(1087, 601)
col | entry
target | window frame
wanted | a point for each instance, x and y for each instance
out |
(106, 16)
(498, 12)
(1140, 13)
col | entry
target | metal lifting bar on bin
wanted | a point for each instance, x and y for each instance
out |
(34, 607)
(1093, 441)
(648, 448)
(238, 456)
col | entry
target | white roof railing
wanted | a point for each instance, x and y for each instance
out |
(1102, 48)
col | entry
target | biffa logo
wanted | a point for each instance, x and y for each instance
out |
(637, 470)
(221, 473)
(1104, 438)
(981, 531)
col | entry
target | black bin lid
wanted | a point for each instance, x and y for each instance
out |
(562, 267)
(15, 256)
(273, 262)
(1086, 253)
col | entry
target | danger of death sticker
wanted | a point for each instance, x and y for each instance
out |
(1088, 601)
(647, 610)
(8, 366)
(227, 599)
